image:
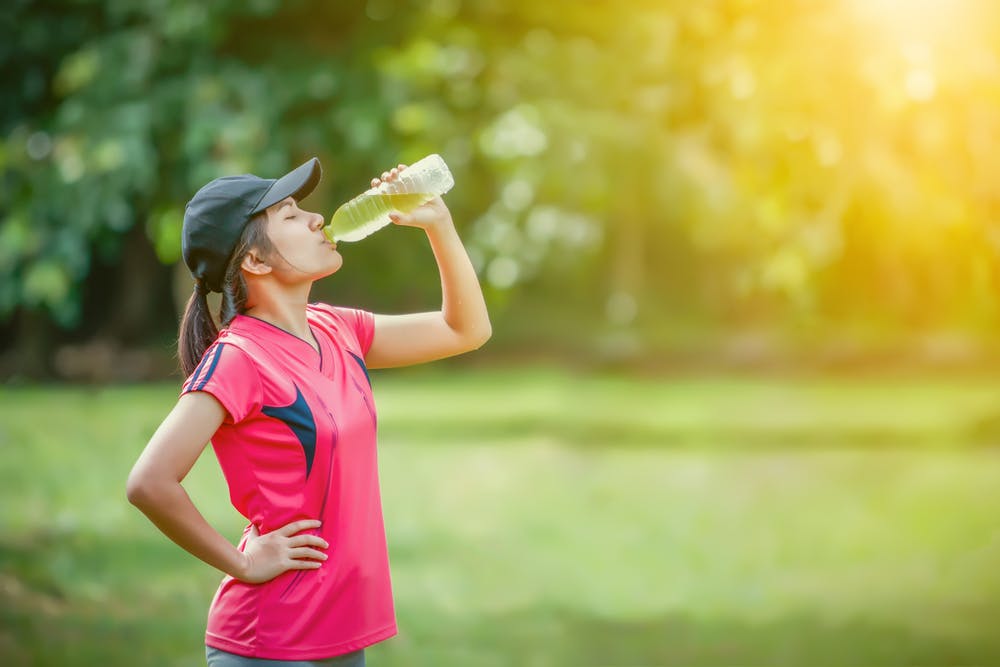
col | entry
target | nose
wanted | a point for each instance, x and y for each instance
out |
(317, 222)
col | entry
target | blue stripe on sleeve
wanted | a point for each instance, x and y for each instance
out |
(197, 371)
(211, 369)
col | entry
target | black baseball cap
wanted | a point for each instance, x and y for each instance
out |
(215, 217)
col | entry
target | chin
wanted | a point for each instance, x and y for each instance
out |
(334, 265)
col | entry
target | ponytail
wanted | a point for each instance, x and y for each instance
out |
(198, 330)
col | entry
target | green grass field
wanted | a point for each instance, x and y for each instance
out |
(541, 517)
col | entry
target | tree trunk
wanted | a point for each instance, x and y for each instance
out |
(142, 291)
(30, 356)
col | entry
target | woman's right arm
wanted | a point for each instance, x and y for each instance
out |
(154, 486)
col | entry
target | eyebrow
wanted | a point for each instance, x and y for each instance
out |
(286, 203)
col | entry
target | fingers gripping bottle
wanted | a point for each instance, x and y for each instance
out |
(369, 212)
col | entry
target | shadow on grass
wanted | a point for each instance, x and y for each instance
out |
(568, 637)
(88, 600)
(614, 433)
(70, 598)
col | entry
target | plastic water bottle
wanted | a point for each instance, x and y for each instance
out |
(369, 212)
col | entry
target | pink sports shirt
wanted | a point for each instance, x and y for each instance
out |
(299, 442)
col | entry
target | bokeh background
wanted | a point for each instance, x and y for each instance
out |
(742, 260)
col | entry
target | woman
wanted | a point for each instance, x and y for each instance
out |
(282, 392)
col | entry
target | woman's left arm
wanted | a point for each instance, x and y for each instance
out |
(462, 324)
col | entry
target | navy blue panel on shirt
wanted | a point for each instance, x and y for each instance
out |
(361, 362)
(300, 419)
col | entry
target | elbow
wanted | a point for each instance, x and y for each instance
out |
(483, 334)
(140, 489)
(136, 489)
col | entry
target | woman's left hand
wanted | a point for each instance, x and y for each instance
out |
(427, 216)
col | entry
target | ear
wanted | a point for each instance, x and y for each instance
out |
(253, 264)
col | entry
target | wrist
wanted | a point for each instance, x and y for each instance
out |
(241, 570)
(442, 225)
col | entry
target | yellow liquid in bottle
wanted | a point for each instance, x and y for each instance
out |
(369, 212)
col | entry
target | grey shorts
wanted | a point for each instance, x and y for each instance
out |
(217, 658)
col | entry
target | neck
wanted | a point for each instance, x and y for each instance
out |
(284, 306)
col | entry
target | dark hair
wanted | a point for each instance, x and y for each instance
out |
(198, 330)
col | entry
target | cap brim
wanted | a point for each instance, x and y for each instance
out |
(297, 183)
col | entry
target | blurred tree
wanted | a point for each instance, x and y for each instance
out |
(735, 163)
(121, 111)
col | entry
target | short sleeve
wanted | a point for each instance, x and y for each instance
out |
(227, 373)
(360, 322)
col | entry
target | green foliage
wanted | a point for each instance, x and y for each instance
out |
(724, 160)
(141, 106)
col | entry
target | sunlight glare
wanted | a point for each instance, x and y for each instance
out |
(914, 20)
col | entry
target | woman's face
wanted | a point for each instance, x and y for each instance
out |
(302, 250)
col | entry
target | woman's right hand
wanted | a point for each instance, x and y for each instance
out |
(267, 556)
